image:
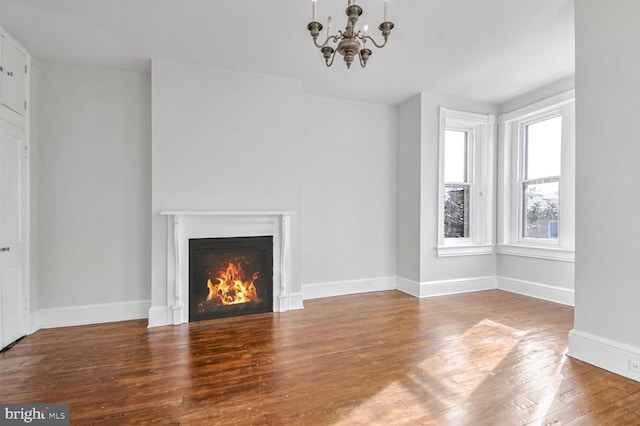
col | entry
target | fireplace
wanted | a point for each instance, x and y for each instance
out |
(230, 276)
(172, 306)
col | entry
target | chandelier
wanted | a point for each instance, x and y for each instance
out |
(348, 41)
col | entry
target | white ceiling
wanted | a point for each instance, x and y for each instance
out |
(488, 50)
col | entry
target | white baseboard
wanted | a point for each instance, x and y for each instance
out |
(34, 322)
(408, 286)
(93, 314)
(296, 301)
(564, 296)
(158, 316)
(604, 353)
(121, 311)
(445, 287)
(342, 288)
(464, 285)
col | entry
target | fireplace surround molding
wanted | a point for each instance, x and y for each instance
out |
(185, 225)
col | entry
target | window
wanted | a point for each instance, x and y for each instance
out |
(466, 152)
(537, 205)
(540, 182)
(457, 185)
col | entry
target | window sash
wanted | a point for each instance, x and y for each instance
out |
(462, 231)
(540, 221)
(527, 140)
(465, 160)
(524, 215)
(457, 211)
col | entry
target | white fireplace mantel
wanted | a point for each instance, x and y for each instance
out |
(185, 225)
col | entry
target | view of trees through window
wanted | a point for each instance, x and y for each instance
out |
(541, 210)
(456, 188)
(456, 211)
(541, 180)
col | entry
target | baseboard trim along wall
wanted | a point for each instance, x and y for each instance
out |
(410, 287)
(564, 296)
(445, 287)
(342, 288)
(296, 301)
(457, 286)
(93, 314)
(34, 322)
(158, 315)
(604, 353)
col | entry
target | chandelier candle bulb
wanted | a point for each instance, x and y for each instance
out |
(386, 10)
(328, 27)
(313, 10)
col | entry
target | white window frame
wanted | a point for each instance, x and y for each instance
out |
(480, 129)
(512, 128)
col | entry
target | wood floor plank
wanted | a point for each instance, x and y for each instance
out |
(486, 358)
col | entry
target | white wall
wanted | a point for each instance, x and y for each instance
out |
(544, 92)
(348, 191)
(607, 226)
(92, 188)
(408, 200)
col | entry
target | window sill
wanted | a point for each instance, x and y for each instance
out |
(465, 250)
(549, 253)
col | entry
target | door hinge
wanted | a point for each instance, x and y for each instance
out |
(25, 69)
(26, 152)
(25, 105)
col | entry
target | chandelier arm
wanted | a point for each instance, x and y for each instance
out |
(362, 64)
(379, 46)
(333, 56)
(320, 46)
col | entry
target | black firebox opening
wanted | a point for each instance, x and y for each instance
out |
(230, 276)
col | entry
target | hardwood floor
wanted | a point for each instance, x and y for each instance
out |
(488, 358)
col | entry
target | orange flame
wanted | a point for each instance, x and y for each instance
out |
(231, 288)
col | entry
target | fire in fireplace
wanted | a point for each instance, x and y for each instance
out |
(230, 276)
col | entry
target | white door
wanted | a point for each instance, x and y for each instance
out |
(13, 72)
(13, 204)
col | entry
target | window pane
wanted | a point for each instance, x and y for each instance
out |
(543, 141)
(540, 210)
(455, 156)
(456, 211)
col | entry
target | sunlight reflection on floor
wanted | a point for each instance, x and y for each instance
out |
(446, 379)
(542, 409)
